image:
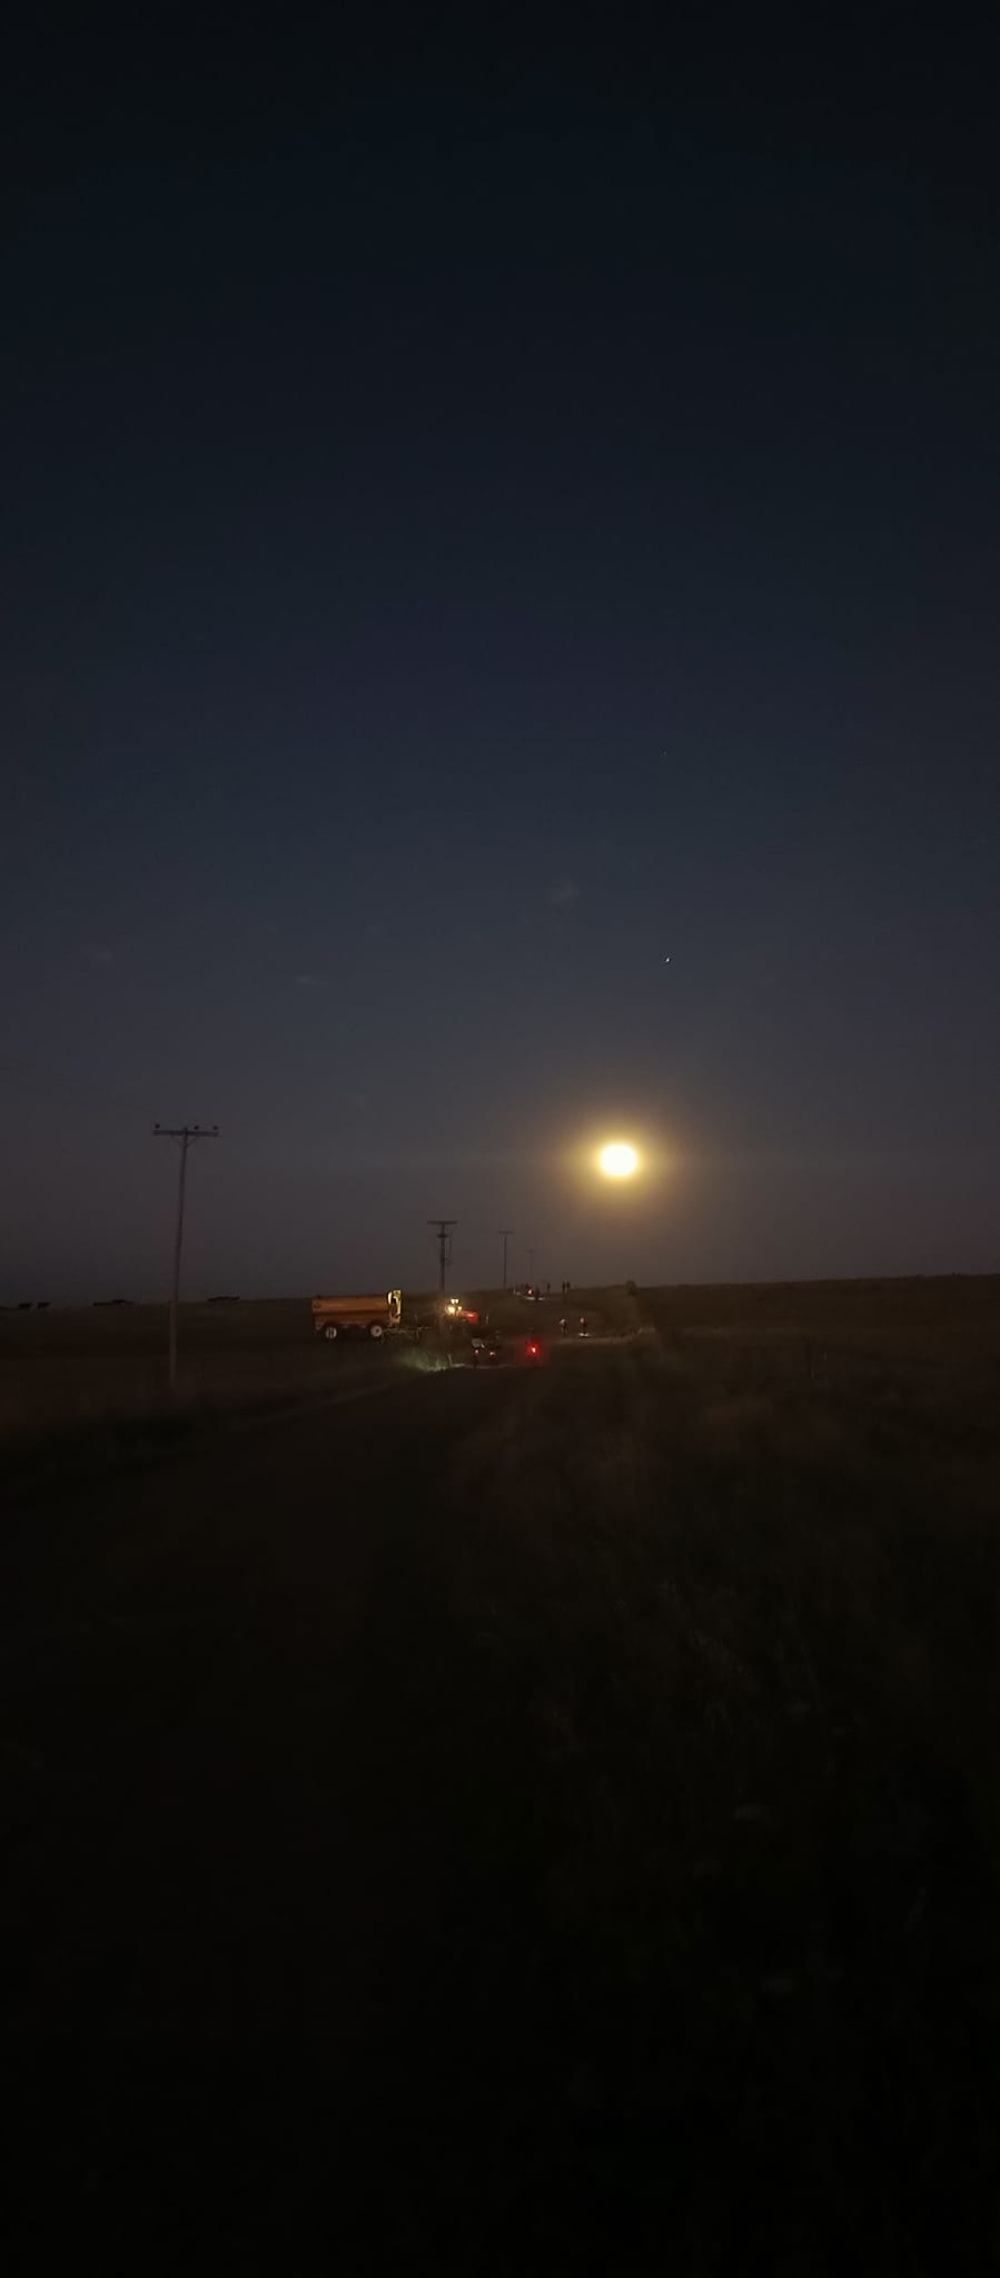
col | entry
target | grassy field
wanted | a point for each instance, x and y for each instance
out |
(78, 1366)
(579, 1790)
(759, 1634)
(88, 1366)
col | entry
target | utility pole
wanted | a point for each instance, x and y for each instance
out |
(185, 1137)
(505, 1235)
(442, 1228)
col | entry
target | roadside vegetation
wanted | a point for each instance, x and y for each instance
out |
(748, 1636)
(87, 1386)
(85, 1391)
(632, 1728)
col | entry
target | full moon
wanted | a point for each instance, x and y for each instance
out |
(618, 1161)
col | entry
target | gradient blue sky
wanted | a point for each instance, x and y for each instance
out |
(467, 544)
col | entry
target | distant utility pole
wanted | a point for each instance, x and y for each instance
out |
(505, 1235)
(442, 1228)
(185, 1137)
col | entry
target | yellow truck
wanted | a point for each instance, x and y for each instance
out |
(374, 1317)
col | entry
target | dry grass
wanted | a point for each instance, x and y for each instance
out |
(86, 1392)
(676, 1675)
(758, 1632)
(79, 1368)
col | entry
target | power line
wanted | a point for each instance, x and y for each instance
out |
(443, 1229)
(185, 1135)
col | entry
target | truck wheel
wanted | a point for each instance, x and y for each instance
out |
(376, 1331)
(330, 1332)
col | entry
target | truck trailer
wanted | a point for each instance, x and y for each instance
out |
(375, 1317)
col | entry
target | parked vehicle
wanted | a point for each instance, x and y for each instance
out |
(455, 1309)
(335, 1318)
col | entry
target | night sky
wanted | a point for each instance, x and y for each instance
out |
(476, 532)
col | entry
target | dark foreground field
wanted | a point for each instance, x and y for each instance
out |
(532, 1821)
